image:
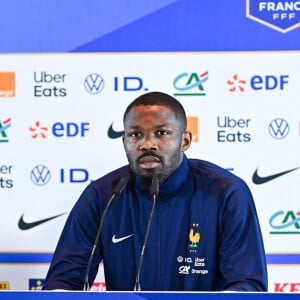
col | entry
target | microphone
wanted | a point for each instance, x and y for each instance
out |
(116, 192)
(154, 194)
(154, 186)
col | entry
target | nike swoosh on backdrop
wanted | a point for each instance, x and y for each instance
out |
(114, 134)
(28, 225)
(118, 240)
(263, 179)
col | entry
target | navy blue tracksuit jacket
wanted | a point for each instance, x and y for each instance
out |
(205, 234)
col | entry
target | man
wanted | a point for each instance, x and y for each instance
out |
(204, 235)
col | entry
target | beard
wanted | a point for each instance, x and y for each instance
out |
(146, 179)
(153, 180)
(146, 176)
(162, 173)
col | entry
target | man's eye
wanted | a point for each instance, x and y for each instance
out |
(134, 134)
(163, 132)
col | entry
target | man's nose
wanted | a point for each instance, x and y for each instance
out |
(148, 143)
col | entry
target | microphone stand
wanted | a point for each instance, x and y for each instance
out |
(154, 193)
(116, 192)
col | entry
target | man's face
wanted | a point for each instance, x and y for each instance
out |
(154, 141)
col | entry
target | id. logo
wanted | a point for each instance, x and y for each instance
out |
(282, 16)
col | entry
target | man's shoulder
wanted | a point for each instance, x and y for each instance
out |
(211, 171)
(221, 179)
(205, 166)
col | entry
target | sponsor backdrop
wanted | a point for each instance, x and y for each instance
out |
(62, 97)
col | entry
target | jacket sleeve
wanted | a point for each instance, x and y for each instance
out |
(242, 258)
(69, 263)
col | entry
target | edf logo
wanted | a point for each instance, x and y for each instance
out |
(269, 82)
(59, 129)
(258, 83)
(70, 129)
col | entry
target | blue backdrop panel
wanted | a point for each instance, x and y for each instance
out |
(165, 25)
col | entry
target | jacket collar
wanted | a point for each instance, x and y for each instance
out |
(172, 186)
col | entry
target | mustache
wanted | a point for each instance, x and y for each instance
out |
(149, 153)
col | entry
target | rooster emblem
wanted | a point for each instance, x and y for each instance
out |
(194, 238)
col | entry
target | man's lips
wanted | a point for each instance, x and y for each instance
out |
(149, 162)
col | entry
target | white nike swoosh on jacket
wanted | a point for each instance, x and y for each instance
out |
(118, 240)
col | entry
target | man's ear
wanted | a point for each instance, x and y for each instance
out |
(123, 140)
(186, 141)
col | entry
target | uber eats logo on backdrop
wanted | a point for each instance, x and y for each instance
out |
(233, 129)
(49, 84)
(6, 180)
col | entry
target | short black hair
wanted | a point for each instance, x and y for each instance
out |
(160, 99)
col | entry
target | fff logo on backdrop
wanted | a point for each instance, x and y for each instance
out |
(282, 16)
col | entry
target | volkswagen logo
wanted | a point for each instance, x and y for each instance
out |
(94, 83)
(40, 175)
(279, 128)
